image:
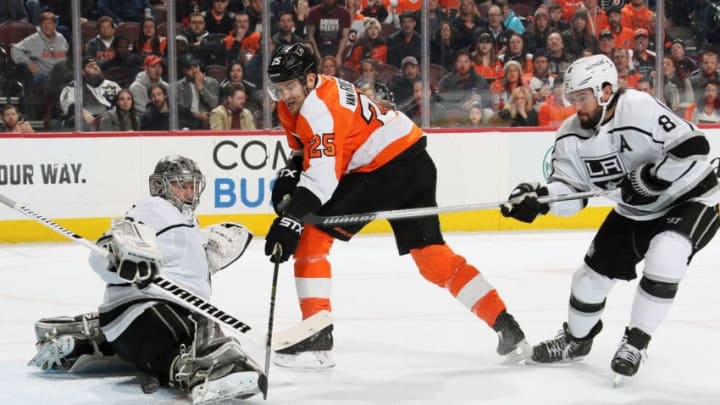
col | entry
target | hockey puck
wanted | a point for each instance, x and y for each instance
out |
(150, 384)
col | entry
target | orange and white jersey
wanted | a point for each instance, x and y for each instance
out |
(339, 131)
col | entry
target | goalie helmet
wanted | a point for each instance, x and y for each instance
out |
(291, 62)
(177, 170)
(591, 72)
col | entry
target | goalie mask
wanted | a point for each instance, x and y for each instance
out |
(170, 181)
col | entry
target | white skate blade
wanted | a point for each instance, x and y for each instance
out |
(311, 360)
(618, 380)
(233, 386)
(520, 354)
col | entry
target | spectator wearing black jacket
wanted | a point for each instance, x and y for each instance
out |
(405, 42)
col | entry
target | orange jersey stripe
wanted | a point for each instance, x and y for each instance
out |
(341, 131)
(489, 307)
(311, 306)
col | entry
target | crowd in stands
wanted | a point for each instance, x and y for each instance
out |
(492, 62)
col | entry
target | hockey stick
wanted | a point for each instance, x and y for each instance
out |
(428, 211)
(271, 320)
(160, 286)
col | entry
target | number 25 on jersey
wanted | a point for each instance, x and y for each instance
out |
(322, 145)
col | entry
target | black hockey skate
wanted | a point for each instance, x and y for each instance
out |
(565, 347)
(511, 339)
(630, 353)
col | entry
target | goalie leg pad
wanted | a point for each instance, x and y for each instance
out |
(61, 341)
(215, 368)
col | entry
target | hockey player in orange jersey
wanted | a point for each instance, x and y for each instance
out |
(349, 155)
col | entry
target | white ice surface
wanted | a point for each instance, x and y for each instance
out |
(398, 338)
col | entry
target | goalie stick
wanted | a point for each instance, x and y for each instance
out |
(160, 286)
(428, 211)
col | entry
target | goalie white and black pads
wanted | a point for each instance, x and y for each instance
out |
(224, 244)
(73, 343)
(136, 253)
(215, 368)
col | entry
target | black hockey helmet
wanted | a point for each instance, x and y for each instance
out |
(291, 62)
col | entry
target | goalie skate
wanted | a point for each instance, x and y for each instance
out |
(75, 344)
(215, 369)
(235, 386)
(313, 352)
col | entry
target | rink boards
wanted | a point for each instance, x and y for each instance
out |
(84, 180)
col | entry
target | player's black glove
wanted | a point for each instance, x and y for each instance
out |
(282, 238)
(523, 202)
(285, 181)
(640, 186)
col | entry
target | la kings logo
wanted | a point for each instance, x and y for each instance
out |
(605, 171)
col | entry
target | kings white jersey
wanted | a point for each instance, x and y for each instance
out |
(184, 262)
(641, 131)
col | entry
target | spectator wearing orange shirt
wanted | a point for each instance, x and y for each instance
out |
(485, 61)
(370, 45)
(622, 35)
(242, 43)
(149, 42)
(598, 19)
(627, 77)
(636, 15)
(502, 89)
(403, 6)
(517, 51)
(569, 7)
(555, 109)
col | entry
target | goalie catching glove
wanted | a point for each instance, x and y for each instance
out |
(523, 202)
(136, 258)
(224, 244)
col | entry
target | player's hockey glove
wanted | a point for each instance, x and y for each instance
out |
(523, 202)
(282, 238)
(285, 181)
(284, 234)
(640, 186)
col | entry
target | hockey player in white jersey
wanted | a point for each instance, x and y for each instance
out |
(666, 209)
(160, 234)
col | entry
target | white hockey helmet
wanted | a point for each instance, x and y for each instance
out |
(177, 169)
(591, 72)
